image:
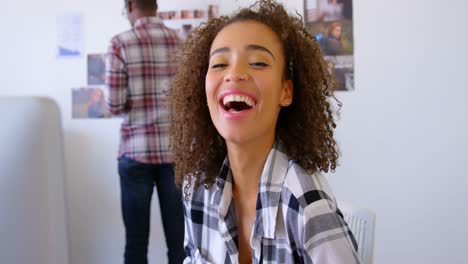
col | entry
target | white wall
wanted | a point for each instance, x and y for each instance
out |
(402, 132)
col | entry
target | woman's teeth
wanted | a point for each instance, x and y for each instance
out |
(238, 98)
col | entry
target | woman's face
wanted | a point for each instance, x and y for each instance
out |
(245, 86)
(336, 32)
(96, 95)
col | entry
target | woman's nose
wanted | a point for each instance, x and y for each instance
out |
(236, 74)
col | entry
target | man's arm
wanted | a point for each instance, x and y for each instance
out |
(116, 79)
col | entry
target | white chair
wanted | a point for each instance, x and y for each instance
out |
(361, 221)
(32, 201)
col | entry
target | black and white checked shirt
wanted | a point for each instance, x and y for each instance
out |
(297, 220)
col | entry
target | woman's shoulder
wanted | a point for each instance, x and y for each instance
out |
(307, 188)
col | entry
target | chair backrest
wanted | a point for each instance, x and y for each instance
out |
(361, 221)
(32, 204)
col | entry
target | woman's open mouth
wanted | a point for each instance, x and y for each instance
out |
(237, 102)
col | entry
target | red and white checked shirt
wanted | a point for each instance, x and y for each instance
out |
(140, 66)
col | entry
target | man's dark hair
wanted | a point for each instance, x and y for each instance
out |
(145, 5)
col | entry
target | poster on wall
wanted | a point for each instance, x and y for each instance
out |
(331, 22)
(96, 69)
(89, 102)
(69, 35)
(183, 20)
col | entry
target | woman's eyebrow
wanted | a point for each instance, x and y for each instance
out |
(261, 48)
(220, 50)
(248, 47)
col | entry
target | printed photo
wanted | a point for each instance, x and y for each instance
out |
(327, 10)
(343, 71)
(335, 38)
(89, 102)
(96, 69)
(331, 22)
(69, 35)
(184, 20)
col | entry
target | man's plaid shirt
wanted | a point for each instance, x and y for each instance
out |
(297, 220)
(140, 65)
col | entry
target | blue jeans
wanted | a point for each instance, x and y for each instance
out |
(137, 181)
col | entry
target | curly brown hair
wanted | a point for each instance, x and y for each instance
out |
(305, 128)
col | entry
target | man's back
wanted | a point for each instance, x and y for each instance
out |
(140, 66)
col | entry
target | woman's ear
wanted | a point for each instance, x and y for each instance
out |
(287, 93)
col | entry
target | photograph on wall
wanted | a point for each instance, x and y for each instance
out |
(69, 35)
(331, 22)
(185, 20)
(89, 102)
(96, 69)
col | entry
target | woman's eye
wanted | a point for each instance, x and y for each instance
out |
(258, 64)
(218, 65)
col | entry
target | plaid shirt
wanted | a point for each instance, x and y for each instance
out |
(140, 65)
(296, 221)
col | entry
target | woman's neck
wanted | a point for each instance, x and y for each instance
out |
(246, 162)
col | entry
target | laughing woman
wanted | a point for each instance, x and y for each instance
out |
(252, 131)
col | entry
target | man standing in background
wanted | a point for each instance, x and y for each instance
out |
(140, 65)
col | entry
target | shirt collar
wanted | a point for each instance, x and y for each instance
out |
(269, 191)
(147, 20)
